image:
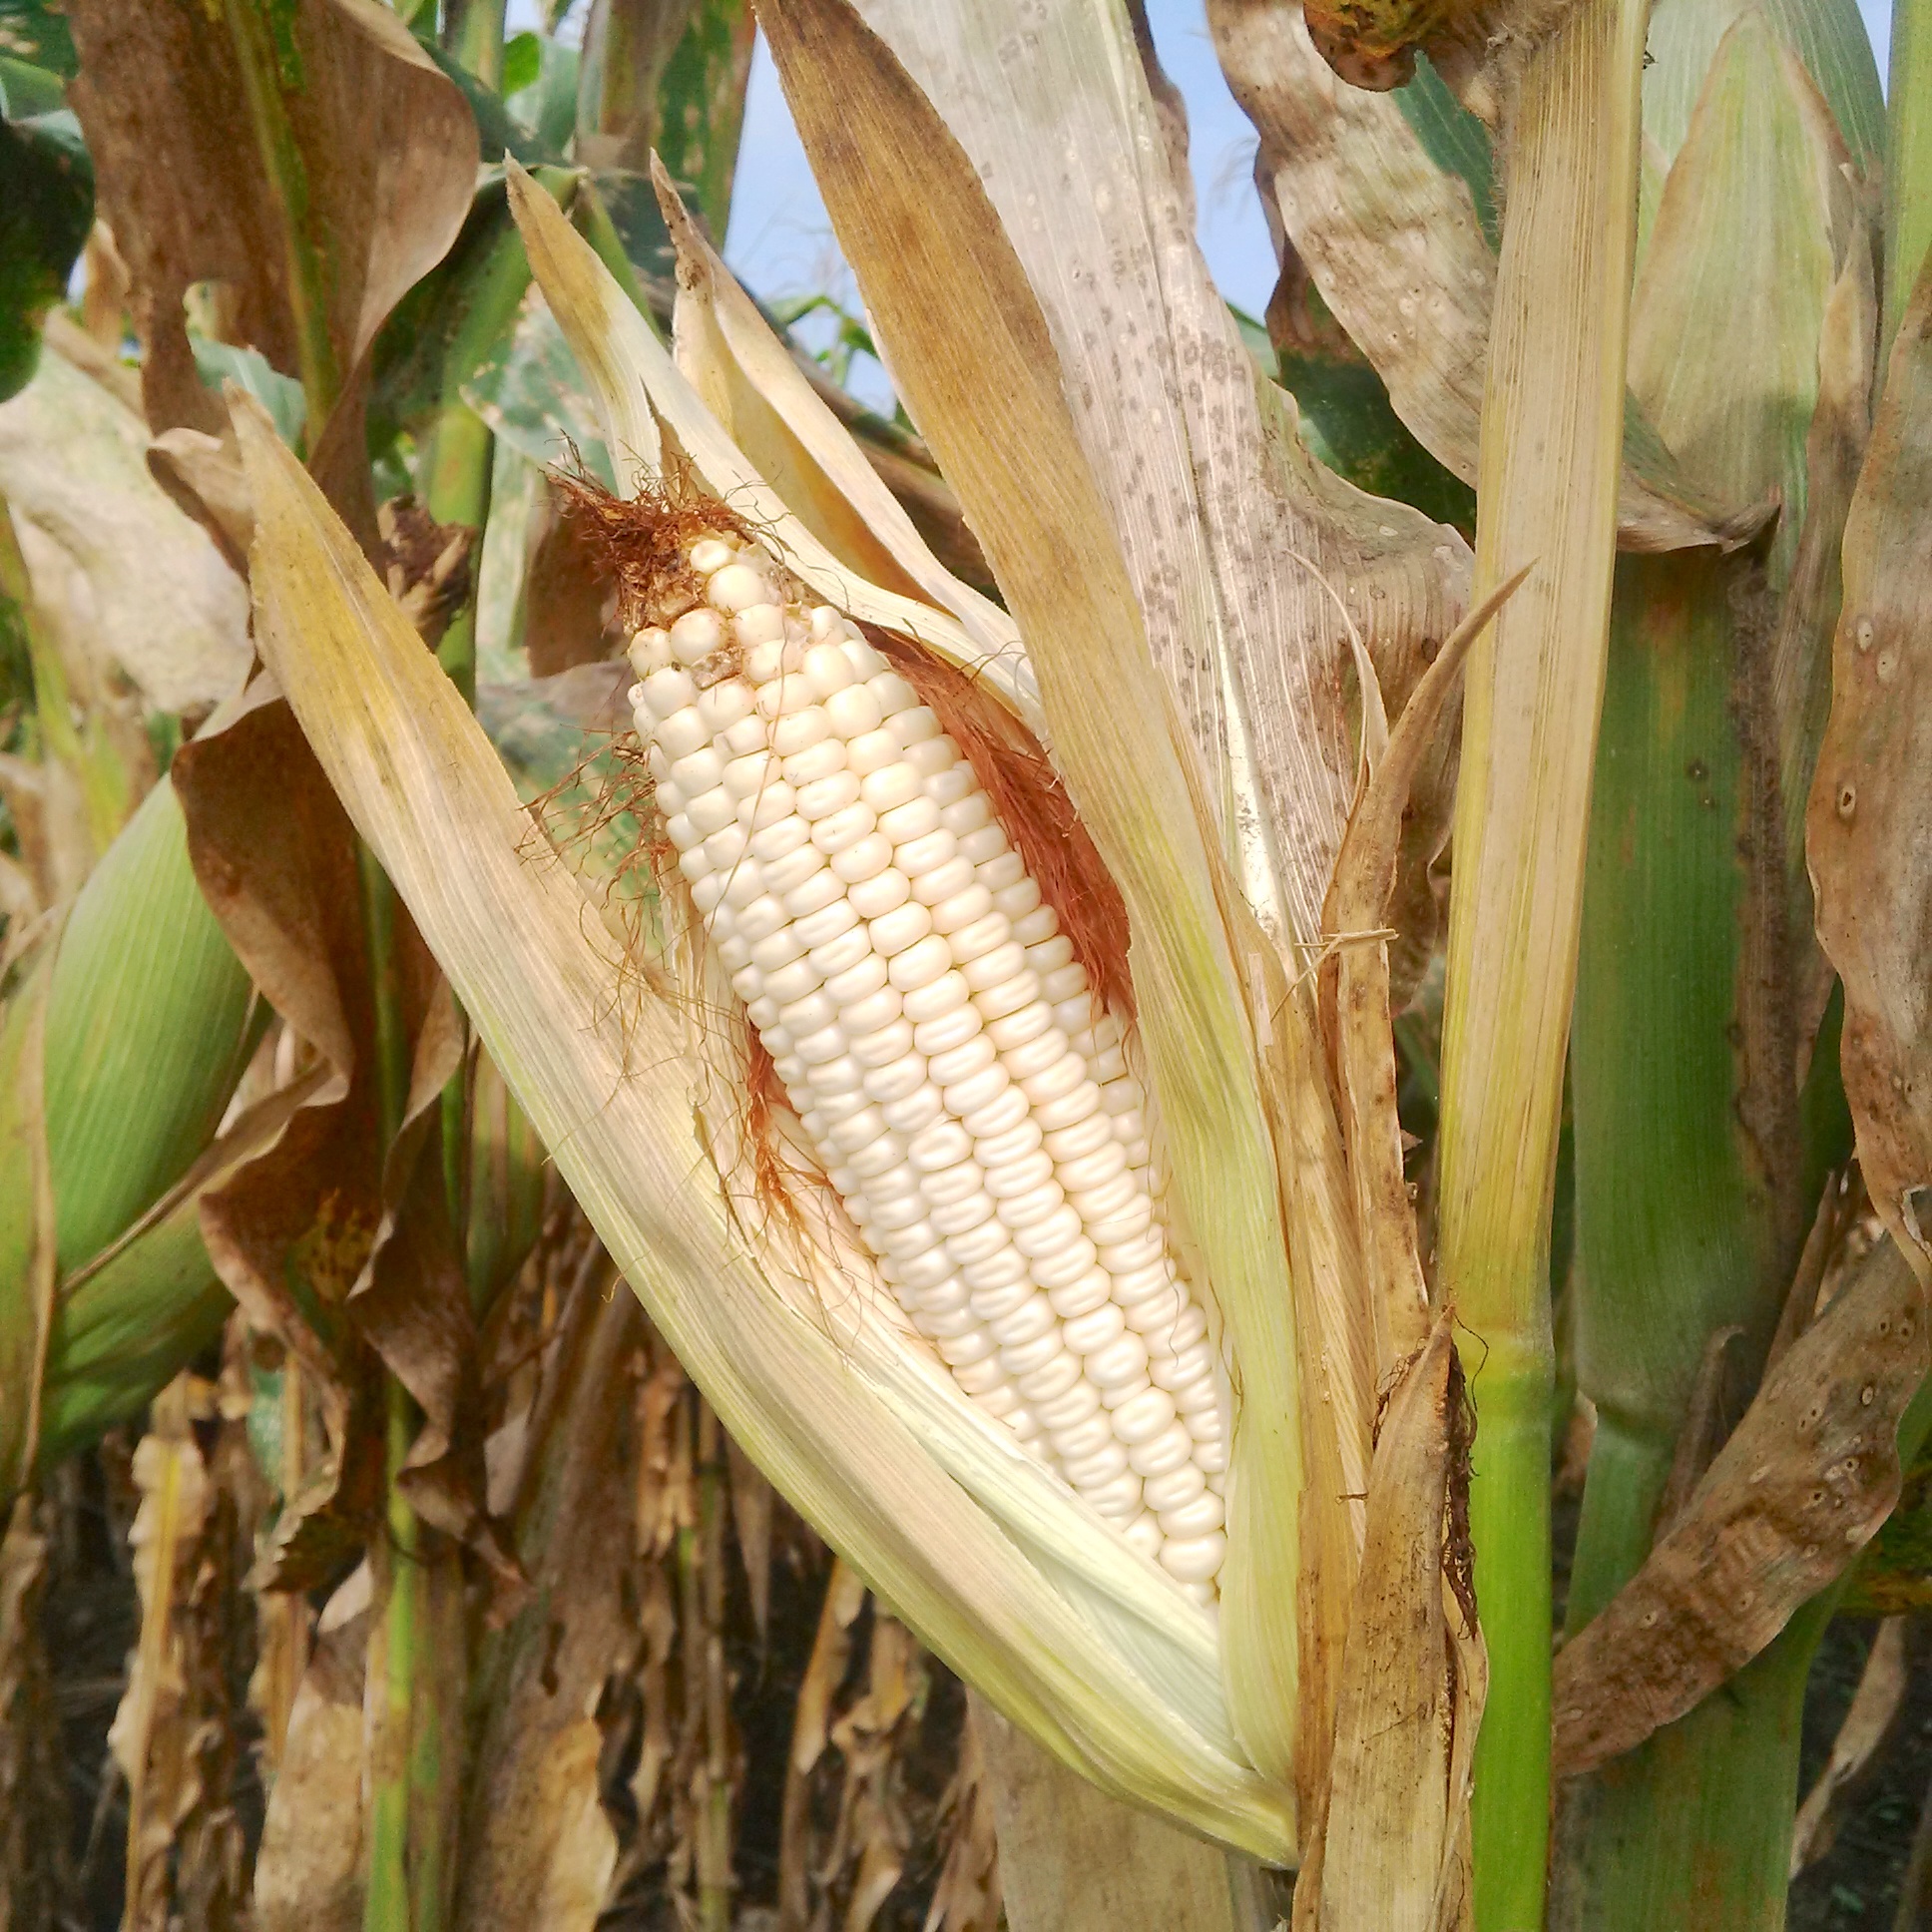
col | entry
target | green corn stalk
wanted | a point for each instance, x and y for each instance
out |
(1693, 1180)
(1552, 448)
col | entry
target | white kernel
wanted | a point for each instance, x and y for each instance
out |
(976, 938)
(996, 1117)
(968, 814)
(1009, 1144)
(890, 787)
(879, 1159)
(842, 832)
(907, 1243)
(784, 875)
(1092, 1169)
(762, 624)
(869, 752)
(998, 1001)
(977, 1378)
(966, 1096)
(1101, 1206)
(649, 651)
(950, 1030)
(835, 1108)
(921, 963)
(865, 661)
(1142, 1418)
(1155, 1316)
(774, 841)
(1202, 1516)
(892, 932)
(1074, 1014)
(872, 1010)
(1001, 869)
(764, 916)
(818, 760)
(793, 981)
(725, 704)
(918, 856)
(898, 1080)
(705, 892)
(734, 953)
(880, 1048)
(779, 697)
(943, 881)
(942, 1145)
(1090, 1430)
(822, 623)
(737, 586)
(742, 884)
(1016, 1029)
(1040, 1221)
(764, 661)
(1063, 982)
(746, 776)
(1194, 1559)
(864, 856)
(823, 796)
(1051, 956)
(799, 731)
(1069, 1265)
(774, 802)
(903, 824)
(931, 757)
(993, 968)
(842, 1075)
(696, 863)
(894, 695)
(1187, 1347)
(1033, 1320)
(847, 950)
(1211, 1458)
(948, 786)
(1107, 1464)
(995, 1278)
(976, 1347)
(820, 1048)
(1073, 1107)
(860, 1129)
(988, 842)
(1088, 1137)
(829, 922)
(827, 668)
(982, 1243)
(710, 554)
(859, 981)
(946, 994)
(961, 1062)
(668, 691)
(695, 634)
(911, 727)
(963, 912)
(918, 1108)
(1164, 1452)
(1119, 1501)
(1095, 1329)
(1009, 1179)
(945, 1185)
(1075, 1406)
(881, 893)
(682, 734)
(1043, 1385)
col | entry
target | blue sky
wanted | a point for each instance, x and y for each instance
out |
(780, 241)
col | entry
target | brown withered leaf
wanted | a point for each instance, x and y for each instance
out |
(1869, 1725)
(1356, 1000)
(380, 166)
(1799, 1489)
(308, 1873)
(1373, 43)
(33, 1785)
(538, 1848)
(1413, 1680)
(332, 1244)
(1868, 828)
(27, 1230)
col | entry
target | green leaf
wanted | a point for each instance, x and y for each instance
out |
(523, 59)
(46, 209)
(281, 396)
(34, 31)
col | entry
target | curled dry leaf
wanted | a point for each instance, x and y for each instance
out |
(1868, 1727)
(1395, 244)
(338, 1246)
(153, 593)
(1799, 1490)
(1868, 830)
(1393, 1851)
(341, 162)
(33, 1811)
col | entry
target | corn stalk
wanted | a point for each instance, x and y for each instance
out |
(1552, 455)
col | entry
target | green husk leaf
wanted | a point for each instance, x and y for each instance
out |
(1102, 1660)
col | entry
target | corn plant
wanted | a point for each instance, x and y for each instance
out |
(986, 1069)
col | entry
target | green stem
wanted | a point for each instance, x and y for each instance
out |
(472, 31)
(1908, 159)
(1552, 450)
(594, 223)
(253, 26)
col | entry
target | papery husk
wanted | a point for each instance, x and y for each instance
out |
(799, 1348)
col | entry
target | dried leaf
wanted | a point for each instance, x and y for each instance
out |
(1868, 830)
(376, 177)
(28, 1262)
(1799, 1489)
(1869, 1726)
(33, 1800)
(150, 593)
(1393, 1851)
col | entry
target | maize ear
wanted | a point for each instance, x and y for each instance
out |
(970, 1101)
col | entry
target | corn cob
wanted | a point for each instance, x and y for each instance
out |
(970, 1102)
